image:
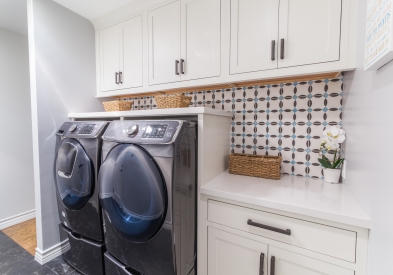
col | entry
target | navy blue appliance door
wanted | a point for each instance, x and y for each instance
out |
(73, 174)
(133, 193)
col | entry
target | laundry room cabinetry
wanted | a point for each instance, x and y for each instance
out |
(254, 35)
(271, 34)
(184, 41)
(309, 32)
(121, 56)
(188, 45)
(230, 254)
(291, 226)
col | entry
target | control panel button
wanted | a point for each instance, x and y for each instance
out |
(86, 129)
(73, 128)
(133, 130)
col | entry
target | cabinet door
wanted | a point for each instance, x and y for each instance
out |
(229, 254)
(310, 30)
(282, 262)
(110, 40)
(254, 34)
(201, 36)
(131, 61)
(164, 44)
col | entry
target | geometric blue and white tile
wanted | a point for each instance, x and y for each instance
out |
(282, 119)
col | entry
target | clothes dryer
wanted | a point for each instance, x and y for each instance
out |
(147, 186)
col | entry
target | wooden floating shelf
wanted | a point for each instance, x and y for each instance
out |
(238, 84)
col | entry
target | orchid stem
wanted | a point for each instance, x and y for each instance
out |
(335, 155)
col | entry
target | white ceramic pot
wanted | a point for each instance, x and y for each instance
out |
(332, 175)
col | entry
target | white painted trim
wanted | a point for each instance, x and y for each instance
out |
(34, 120)
(49, 254)
(17, 219)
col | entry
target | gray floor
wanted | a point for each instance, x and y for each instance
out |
(14, 260)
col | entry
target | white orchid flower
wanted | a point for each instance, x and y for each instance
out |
(334, 133)
(331, 145)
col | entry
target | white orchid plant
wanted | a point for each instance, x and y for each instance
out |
(333, 136)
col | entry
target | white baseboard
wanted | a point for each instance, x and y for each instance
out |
(49, 254)
(17, 219)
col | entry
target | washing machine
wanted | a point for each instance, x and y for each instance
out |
(78, 157)
(148, 188)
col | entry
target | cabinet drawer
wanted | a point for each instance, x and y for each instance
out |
(328, 240)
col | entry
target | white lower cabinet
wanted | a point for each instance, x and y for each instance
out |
(282, 262)
(230, 254)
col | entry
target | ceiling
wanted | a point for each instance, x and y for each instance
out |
(13, 16)
(92, 9)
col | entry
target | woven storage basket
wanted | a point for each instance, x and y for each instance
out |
(268, 167)
(172, 101)
(117, 105)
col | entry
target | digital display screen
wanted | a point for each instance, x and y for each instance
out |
(155, 131)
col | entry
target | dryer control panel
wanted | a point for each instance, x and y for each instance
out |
(81, 129)
(143, 132)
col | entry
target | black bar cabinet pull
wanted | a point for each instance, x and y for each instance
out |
(261, 264)
(182, 66)
(282, 48)
(272, 265)
(116, 74)
(120, 75)
(177, 67)
(273, 50)
(271, 228)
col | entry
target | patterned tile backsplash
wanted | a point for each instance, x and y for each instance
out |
(282, 119)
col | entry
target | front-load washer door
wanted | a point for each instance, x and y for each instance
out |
(133, 193)
(74, 174)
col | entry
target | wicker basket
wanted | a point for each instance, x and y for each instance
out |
(268, 167)
(117, 105)
(172, 101)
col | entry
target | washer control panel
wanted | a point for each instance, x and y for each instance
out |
(80, 129)
(145, 131)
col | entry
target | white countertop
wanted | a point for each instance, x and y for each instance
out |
(299, 195)
(191, 111)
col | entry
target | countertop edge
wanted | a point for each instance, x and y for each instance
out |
(313, 213)
(153, 112)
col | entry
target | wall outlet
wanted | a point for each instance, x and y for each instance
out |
(344, 169)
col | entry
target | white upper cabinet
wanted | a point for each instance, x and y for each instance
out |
(200, 38)
(282, 262)
(110, 58)
(121, 56)
(229, 254)
(131, 65)
(309, 32)
(184, 41)
(254, 34)
(164, 44)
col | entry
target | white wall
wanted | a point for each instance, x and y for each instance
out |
(368, 112)
(62, 70)
(16, 154)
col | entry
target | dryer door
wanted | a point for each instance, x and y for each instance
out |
(73, 174)
(133, 193)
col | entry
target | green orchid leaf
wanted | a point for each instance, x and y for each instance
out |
(337, 163)
(328, 163)
(325, 163)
